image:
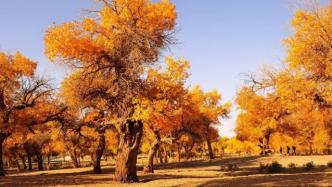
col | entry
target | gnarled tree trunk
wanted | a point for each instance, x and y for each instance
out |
(130, 138)
(208, 142)
(155, 146)
(3, 136)
(100, 150)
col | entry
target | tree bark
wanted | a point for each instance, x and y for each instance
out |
(40, 161)
(30, 161)
(22, 157)
(74, 159)
(17, 164)
(179, 153)
(165, 154)
(208, 142)
(130, 138)
(155, 146)
(2, 170)
(99, 152)
(3, 136)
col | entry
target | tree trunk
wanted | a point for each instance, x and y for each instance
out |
(160, 155)
(3, 136)
(99, 152)
(23, 161)
(74, 159)
(30, 161)
(155, 146)
(17, 164)
(208, 142)
(2, 170)
(165, 154)
(267, 139)
(40, 161)
(130, 138)
(179, 153)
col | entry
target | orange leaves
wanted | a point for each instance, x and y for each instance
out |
(13, 67)
(310, 47)
(80, 43)
(150, 17)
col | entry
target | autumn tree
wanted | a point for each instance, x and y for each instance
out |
(159, 106)
(21, 95)
(111, 53)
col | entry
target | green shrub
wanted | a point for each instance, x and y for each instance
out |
(291, 165)
(309, 166)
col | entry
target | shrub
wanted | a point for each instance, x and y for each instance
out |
(309, 166)
(262, 167)
(329, 164)
(275, 167)
(232, 167)
(292, 165)
(222, 168)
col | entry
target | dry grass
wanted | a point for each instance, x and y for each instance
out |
(193, 173)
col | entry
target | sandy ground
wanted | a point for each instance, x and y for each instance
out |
(191, 173)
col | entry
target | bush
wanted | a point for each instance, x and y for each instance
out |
(222, 168)
(329, 164)
(230, 167)
(292, 165)
(262, 167)
(275, 167)
(309, 166)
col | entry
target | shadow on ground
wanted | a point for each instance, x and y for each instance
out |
(245, 176)
(295, 179)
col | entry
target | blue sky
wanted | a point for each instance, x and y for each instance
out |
(221, 38)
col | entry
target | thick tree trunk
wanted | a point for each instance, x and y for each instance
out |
(28, 149)
(2, 170)
(208, 142)
(3, 136)
(40, 161)
(155, 146)
(99, 152)
(125, 168)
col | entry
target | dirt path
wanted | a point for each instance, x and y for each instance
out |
(194, 173)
